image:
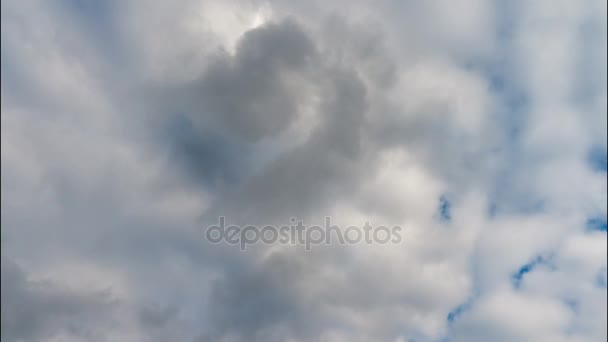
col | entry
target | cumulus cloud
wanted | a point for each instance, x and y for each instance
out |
(479, 128)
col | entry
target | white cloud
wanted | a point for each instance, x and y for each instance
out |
(128, 126)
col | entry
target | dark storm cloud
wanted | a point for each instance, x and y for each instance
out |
(254, 93)
(259, 300)
(211, 160)
(257, 93)
(307, 177)
(248, 95)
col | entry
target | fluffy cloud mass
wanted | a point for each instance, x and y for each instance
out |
(477, 126)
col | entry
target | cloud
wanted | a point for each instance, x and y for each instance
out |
(40, 310)
(128, 127)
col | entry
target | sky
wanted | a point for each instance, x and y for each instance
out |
(479, 127)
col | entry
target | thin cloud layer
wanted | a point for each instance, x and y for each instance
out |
(128, 127)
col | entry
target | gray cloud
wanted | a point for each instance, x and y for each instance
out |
(41, 310)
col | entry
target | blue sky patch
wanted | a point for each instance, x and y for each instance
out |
(598, 159)
(518, 277)
(445, 207)
(459, 310)
(452, 315)
(602, 278)
(597, 223)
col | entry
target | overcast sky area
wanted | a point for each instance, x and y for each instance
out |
(479, 127)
